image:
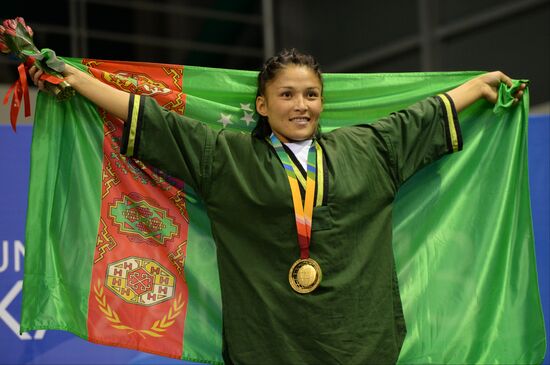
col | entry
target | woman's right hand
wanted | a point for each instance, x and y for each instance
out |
(112, 100)
(35, 73)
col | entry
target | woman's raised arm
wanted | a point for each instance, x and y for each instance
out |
(484, 86)
(112, 100)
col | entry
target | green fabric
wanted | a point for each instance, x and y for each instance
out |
(63, 214)
(49, 57)
(202, 338)
(462, 231)
(506, 95)
(468, 277)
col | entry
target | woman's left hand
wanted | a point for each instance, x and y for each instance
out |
(484, 86)
(490, 83)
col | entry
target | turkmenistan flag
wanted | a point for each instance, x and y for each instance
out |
(119, 253)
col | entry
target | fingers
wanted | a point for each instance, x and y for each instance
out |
(35, 74)
(519, 94)
(496, 77)
(503, 78)
(508, 81)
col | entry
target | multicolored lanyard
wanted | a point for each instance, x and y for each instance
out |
(305, 273)
(302, 211)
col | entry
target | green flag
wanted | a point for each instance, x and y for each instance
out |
(120, 253)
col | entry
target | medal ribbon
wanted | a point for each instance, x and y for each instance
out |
(303, 212)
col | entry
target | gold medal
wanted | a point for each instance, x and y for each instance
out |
(305, 275)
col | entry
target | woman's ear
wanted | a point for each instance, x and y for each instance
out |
(261, 106)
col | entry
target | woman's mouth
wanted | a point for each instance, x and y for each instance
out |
(300, 120)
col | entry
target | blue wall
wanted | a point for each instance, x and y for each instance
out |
(57, 347)
(539, 181)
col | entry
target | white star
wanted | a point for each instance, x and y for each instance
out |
(248, 118)
(225, 119)
(246, 107)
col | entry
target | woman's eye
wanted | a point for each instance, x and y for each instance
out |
(312, 94)
(286, 94)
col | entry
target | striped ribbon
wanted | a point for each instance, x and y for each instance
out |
(302, 211)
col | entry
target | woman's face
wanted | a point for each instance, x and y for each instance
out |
(292, 103)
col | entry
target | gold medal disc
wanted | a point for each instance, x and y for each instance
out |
(305, 275)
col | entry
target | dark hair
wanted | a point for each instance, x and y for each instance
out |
(269, 71)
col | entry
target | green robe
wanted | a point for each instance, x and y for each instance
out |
(355, 315)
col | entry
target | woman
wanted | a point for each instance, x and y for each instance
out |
(301, 219)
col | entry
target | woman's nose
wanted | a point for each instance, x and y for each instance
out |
(300, 103)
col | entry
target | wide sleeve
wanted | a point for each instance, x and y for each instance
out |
(419, 135)
(180, 146)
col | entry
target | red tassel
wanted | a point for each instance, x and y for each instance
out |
(20, 89)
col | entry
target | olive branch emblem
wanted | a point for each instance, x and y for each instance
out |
(155, 330)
